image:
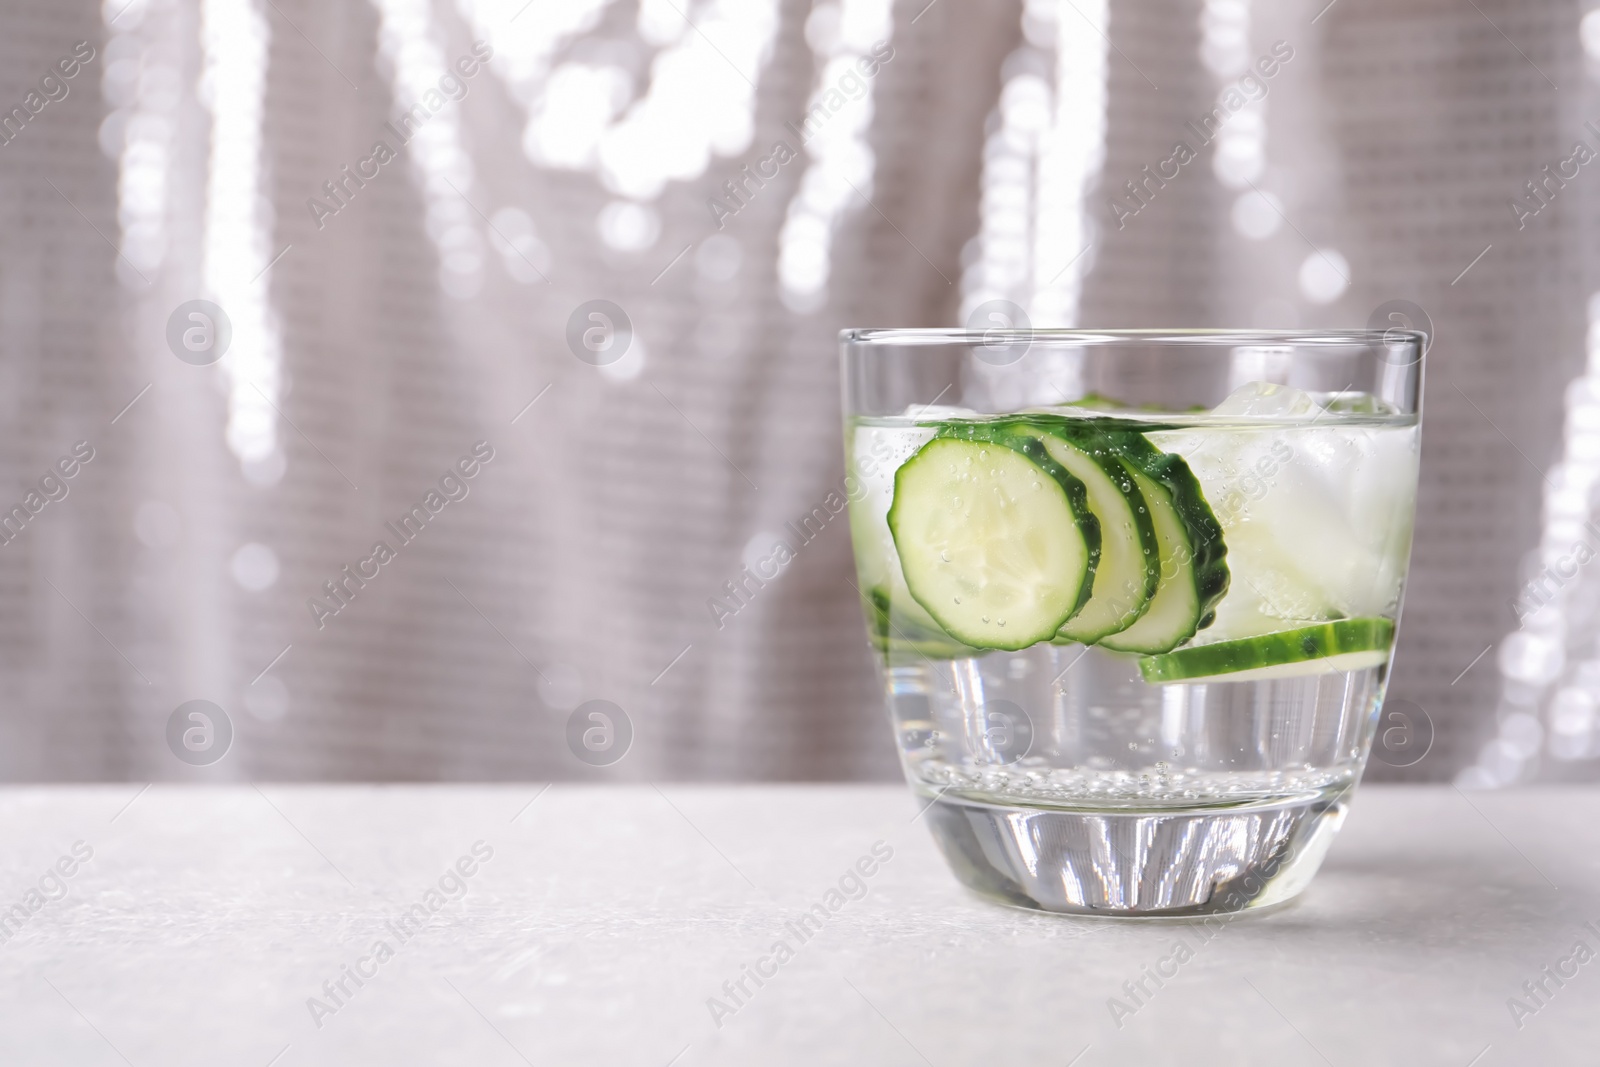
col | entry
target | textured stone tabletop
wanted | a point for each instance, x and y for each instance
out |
(294, 925)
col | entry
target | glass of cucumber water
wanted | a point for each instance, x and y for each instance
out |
(1134, 597)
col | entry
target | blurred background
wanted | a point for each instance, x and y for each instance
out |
(543, 296)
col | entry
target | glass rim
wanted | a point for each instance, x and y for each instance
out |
(931, 336)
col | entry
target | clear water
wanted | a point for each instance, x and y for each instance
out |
(1315, 504)
(1069, 728)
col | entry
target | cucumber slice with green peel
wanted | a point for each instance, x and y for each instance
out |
(1342, 645)
(1125, 579)
(996, 539)
(1194, 573)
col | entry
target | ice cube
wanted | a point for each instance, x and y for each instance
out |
(937, 412)
(1220, 458)
(876, 453)
(1266, 400)
(1352, 403)
(1246, 612)
(1328, 530)
(1315, 515)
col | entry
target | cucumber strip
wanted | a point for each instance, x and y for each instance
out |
(1343, 645)
(996, 539)
(1126, 577)
(1194, 574)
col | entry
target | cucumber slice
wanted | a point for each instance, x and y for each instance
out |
(1125, 578)
(1343, 645)
(995, 538)
(1194, 574)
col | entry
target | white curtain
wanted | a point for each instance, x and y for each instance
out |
(596, 252)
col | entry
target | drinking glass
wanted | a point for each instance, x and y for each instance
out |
(1133, 597)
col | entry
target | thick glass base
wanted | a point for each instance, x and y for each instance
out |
(1152, 863)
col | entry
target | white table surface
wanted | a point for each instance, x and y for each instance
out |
(607, 916)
